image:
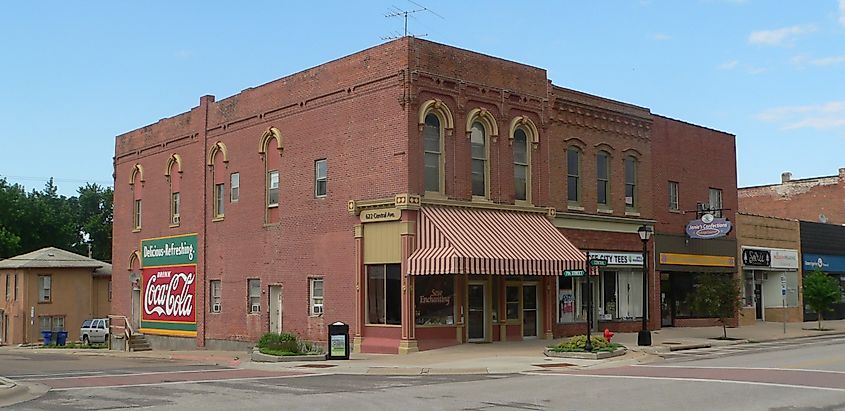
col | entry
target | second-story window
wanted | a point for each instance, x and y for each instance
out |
(603, 178)
(432, 151)
(136, 219)
(273, 188)
(630, 182)
(573, 174)
(321, 178)
(478, 140)
(673, 196)
(219, 200)
(521, 174)
(716, 202)
(175, 205)
(235, 187)
(45, 288)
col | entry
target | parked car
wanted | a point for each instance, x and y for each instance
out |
(95, 330)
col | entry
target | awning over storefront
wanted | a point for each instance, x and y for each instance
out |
(457, 240)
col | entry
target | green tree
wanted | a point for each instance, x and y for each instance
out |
(820, 292)
(95, 216)
(720, 296)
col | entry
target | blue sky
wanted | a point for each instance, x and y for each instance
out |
(73, 75)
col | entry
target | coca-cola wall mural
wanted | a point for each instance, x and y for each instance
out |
(168, 285)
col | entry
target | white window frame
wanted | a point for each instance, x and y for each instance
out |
(45, 288)
(316, 301)
(136, 215)
(272, 186)
(324, 178)
(175, 206)
(253, 300)
(216, 288)
(715, 207)
(219, 200)
(234, 187)
(674, 196)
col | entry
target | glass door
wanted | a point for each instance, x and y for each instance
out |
(530, 316)
(477, 312)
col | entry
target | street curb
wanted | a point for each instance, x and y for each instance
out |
(820, 334)
(12, 393)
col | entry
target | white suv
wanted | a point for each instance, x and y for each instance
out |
(94, 331)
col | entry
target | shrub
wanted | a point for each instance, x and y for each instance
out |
(578, 342)
(284, 342)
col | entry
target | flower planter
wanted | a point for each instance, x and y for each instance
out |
(598, 355)
(257, 356)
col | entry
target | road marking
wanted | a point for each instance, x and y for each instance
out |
(737, 368)
(636, 377)
(103, 374)
(187, 382)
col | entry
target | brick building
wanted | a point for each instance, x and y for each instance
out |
(694, 175)
(424, 194)
(819, 199)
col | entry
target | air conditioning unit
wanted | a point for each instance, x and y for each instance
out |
(175, 219)
(255, 308)
(629, 201)
(215, 308)
(318, 309)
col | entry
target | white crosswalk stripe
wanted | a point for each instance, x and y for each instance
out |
(737, 349)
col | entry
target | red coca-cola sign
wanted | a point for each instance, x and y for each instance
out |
(168, 298)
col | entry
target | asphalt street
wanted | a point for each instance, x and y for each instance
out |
(786, 375)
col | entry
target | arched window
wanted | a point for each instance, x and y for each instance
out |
(433, 153)
(136, 181)
(174, 179)
(271, 149)
(478, 140)
(521, 165)
(573, 174)
(631, 200)
(603, 178)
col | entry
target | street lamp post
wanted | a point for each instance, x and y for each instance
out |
(588, 345)
(644, 336)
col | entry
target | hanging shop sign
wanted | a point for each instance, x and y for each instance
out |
(708, 227)
(168, 285)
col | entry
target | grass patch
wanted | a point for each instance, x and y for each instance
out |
(280, 353)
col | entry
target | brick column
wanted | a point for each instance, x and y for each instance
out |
(357, 338)
(408, 237)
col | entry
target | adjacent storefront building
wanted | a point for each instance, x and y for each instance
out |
(823, 248)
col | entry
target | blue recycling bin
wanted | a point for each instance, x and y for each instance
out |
(47, 336)
(61, 338)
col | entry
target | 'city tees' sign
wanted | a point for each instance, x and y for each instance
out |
(719, 227)
(168, 285)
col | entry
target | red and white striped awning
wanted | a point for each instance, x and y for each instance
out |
(458, 240)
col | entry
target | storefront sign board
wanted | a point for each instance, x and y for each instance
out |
(615, 258)
(168, 285)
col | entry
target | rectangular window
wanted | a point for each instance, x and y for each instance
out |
(15, 296)
(136, 220)
(512, 302)
(44, 288)
(316, 291)
(673, 196)
(573, 172)
(716, 202)
(434, 300)
(384, 294)
(603, 178)
(630, 182)
(254, 295)
(494, 315)
(8, 287)
(51, 323)
(320, 178)
(109, 290)
(235, 183)
(175, 205)
(215, 286)
(219, 193)
(272, 188)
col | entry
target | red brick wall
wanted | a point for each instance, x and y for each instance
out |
(804, 199)
(698, 158)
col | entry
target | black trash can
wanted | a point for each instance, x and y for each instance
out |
(338, 341)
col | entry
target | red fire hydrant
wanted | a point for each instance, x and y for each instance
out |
(608, 334)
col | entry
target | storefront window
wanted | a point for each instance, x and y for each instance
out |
(684, 286)
(435, 300)
(512, 302)
(495, 313)
(566, 300)
(384, 294)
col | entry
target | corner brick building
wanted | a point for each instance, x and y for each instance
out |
(818, 199)
(423, 194)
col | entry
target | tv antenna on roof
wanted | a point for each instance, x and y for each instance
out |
(404, 14)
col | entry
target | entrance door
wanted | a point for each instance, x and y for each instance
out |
(758, 300)
(136, 308)
(530, 316)
(477, 312)
(275, 309)
(667, 301)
